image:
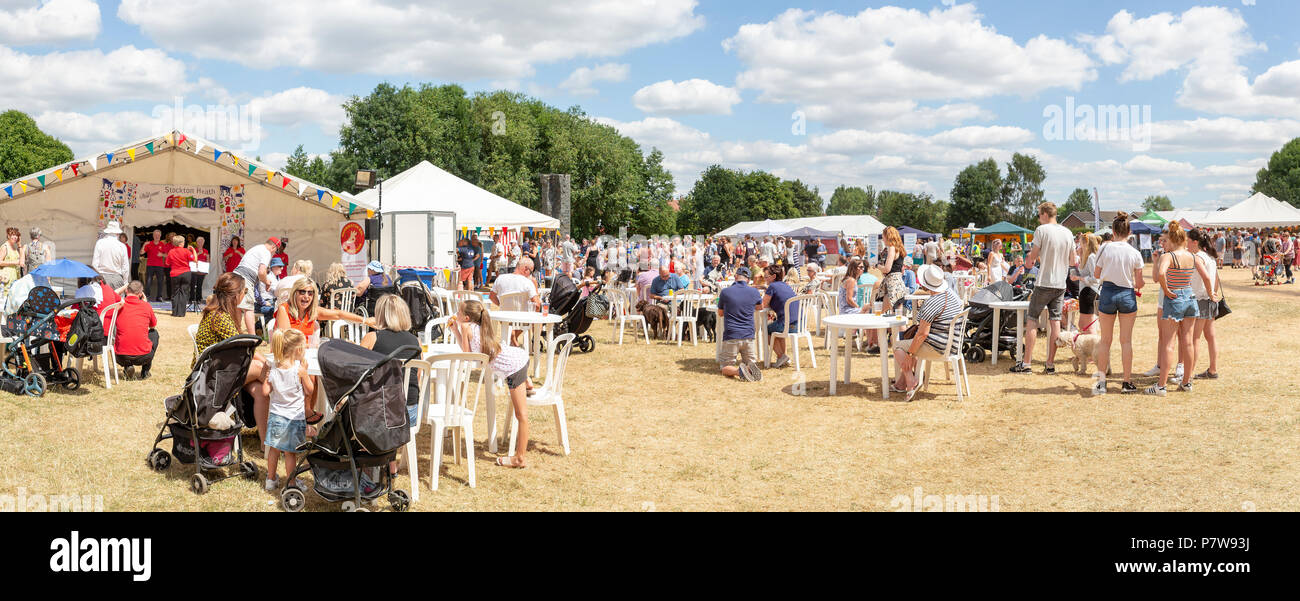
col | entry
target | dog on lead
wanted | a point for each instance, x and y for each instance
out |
(656, 319)
(707, 322)
(1083, 345)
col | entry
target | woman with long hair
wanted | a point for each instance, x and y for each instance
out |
(11, 258)
(233, 254)
(1118, 266)
(892, 268)
(997, 264)
(1207, 300)
(336, 278)
(392, 332)
(476, 334)
(217, 324)
(1175, 270)
(847, 300)
(302, 312)
(1088, 285)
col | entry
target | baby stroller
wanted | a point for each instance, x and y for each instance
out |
(1266, 272)
(32, 359)
(213, 387)
(419, 302)
(979, 328)
(565, 302)
(348, 458)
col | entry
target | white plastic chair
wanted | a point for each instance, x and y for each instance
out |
(193, 329)
(446, 331)
(343, 299)
(807, 306)
(457, 413)
(346, 330)
(953, 357)
(109, 354)
(516, 301)
(624, 310)
(686, 308)
(551, 393)
(459, 296)
(422, 370)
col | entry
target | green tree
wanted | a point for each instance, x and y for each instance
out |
(920, 211)
(1079, 200)
(1022, 191)
(807, 201)
(1281, 178)
(313, 169)
(25, 149)
(651, 213)
(975, 195)
(852, 200)
(1158, 203)
(716, 200)
(687, 218)
(765, 196)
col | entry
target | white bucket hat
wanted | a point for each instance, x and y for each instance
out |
(113, 228)
(931, 278)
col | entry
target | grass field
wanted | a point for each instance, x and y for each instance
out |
(656, 428)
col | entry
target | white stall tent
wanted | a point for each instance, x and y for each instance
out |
(425, 187)
(852, 226)
(1257, 211)
(67, 206)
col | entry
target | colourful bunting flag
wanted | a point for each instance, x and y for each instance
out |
(169, 138)
(10, 191)
(198, 146)
(320, 195)
(370, 214)
(41, 178)
(74, 170)
(181, 140)
(131, 153)
(336, 201)
(284, 184)
(251, 169)
(269, 175)
(149, 146)
(352, 208)
(302, 188)
(59, 173)
(110, 158)
(23, 185)
(216, 154)
(94, 163)
(235, 159)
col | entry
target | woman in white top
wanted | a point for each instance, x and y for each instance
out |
(475, 334)
(1089, 285)
(997, 265)
(1207, 301)
(1119, 268)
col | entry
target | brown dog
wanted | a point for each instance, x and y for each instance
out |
(656, 319)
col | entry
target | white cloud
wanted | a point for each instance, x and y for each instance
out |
(76, 79)
(1148, 164)
(87, 134)
(582, 81)
(486, 39)
(1209, 44)
(853, 70)
(983, 137)
(50, 22)
(690, 97)
(1218, 135)
(300, 106)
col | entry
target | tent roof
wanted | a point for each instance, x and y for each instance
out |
(1003, 227)
(1257, 211)
(809, 232)
(177, 140)
(1142, 227)
(1154, 218)
(903, 229)
(425, 187)
(853, 226)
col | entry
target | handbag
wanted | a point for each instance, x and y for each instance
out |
(1223, 309)
(597, 305)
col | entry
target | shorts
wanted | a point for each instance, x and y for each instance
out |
(412, 415)
(1207, 309)
(777, 327)
(926, 351)
(1116, 299)
(518, 378)
(1045, 298)
(728, 349)
(249, 301)
(1182, 306)
(1087, 301)
(466, 273)
(285, 434)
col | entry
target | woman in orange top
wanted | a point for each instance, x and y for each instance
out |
(303, 312)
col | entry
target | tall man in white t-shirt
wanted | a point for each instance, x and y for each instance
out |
(1054, 250)
(520, 280)
(255, 269)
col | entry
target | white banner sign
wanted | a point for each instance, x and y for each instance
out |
(909, 243)
(1144, 241)
(352, 249)
(177, 197)
(873, 245)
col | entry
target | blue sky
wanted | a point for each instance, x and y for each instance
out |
(896, 95)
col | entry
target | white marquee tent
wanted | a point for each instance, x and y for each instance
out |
(853, 226)
(425, 187)
(68, 202)
(1257, 211)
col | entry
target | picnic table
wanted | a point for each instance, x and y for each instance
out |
(863, 321)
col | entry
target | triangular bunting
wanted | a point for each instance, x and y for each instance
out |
(10, 191)
(216, 154)
(335, 204)
(352, 208)
(131, 153)
(370, 214)
(302, 188)
(94, 163)
(284, 184)
(110, 158)
(41, 178)
(169, 138)
(198, 147)
(59, 173)
(23, 185)
(149, 146)
(320, 195)
(269, 175)
(74, 170)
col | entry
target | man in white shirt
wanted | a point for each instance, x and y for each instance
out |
(1054, 250)
(110, 257)
(767, 254)
(519, 281)
(255, 269)
(931, 252)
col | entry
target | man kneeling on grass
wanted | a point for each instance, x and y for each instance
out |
(736, 306)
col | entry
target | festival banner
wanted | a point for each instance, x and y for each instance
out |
(230, 207)
(177, 197)
(352, 248)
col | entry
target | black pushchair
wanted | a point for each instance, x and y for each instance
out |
(979, 326)
(566, 302)
(32, 357)
(348, 458)
(419, 301)
(213, 387)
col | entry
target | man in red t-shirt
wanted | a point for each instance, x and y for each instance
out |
(156, 272)
(137, 340)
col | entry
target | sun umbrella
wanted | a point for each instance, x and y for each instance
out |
(65, 268)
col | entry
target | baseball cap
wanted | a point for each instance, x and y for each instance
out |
(275, 241)
(743, 272)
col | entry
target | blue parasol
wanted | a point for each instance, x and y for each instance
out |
(65, 268)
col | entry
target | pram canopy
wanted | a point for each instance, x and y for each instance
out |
(564, 295)
(375, 413)
(993, 293)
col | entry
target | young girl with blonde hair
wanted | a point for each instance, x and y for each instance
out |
(288, 386)
(475, 334)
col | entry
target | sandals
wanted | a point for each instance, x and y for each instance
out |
(509, 462)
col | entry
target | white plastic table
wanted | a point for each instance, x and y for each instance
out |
(860, 321)
(1020, 307)
(917, 301)
(440, 379)
(531, 320)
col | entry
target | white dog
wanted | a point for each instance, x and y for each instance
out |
(1083, 345)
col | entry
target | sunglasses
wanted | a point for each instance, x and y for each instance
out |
(306, 292)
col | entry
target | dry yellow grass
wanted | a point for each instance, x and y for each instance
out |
(656, 427)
